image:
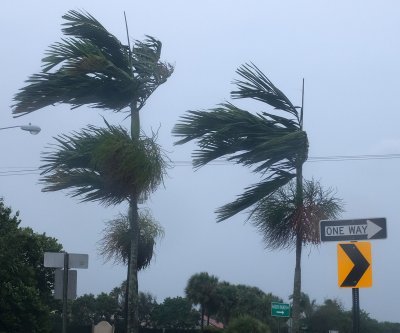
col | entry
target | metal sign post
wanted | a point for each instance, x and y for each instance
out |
(354, 259)
(357, 256)
(66, 261)
(65, 293)
(356, 310)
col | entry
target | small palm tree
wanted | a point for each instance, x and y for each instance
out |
(90, 66)
(275, 146)
(202, 289)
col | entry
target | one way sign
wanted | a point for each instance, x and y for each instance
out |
(353, 230)
(354, 265)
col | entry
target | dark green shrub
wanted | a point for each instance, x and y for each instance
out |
(247, 324)
(211, 329)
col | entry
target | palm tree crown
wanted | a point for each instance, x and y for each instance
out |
(104, 164)
(92, 67)
(273, 145)
(115, 244)
(281, 222)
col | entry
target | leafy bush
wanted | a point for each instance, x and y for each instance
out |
(211, 329)
(247, 324)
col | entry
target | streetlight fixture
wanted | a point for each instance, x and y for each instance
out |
(33, 129)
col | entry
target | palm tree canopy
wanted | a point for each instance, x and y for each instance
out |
(90, 66)
(115, 244)
(103, 164)
(269, 143)
(280, 221)
(201, 288)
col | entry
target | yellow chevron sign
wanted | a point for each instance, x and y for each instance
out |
(354, 265)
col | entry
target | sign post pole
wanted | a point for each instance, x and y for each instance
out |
(65, 260)
(65, 292)
(355, 255)
(356, 310)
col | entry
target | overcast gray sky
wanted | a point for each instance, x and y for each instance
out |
(347, 51)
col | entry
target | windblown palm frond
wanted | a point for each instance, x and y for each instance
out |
(271, 144)
(103, 164)
(259, 87)
(254, 194)
(115, 244)
(92, 67)
(280, 221)
(244, 138)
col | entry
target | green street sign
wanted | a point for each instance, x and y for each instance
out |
(280, 309)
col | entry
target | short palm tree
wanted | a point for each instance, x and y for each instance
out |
(274, 145)
(202, 289)
(90, 66)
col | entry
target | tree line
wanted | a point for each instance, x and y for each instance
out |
(236, 306)
(27, 304)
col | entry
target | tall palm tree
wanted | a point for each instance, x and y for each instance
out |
(274, 145)
(90, 66)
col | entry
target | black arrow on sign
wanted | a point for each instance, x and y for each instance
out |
(360, 265)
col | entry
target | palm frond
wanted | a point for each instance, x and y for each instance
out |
(242, 137)
(256, 85)
(83, 26)
(268, 143)
(103, 164)
(279, 220)
(254, 194)
(92, 67)
(115, 243)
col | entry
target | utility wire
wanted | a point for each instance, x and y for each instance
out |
(22, 171)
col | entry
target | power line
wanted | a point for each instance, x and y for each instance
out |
(22, 171)
(341, 158)
(314, 159)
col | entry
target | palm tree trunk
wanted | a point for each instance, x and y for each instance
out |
(132, 282)
(126, 300)
(135, 122)
(202, 319)
(299, 244)
(299, 234)
(297, 287)
(133, 292)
